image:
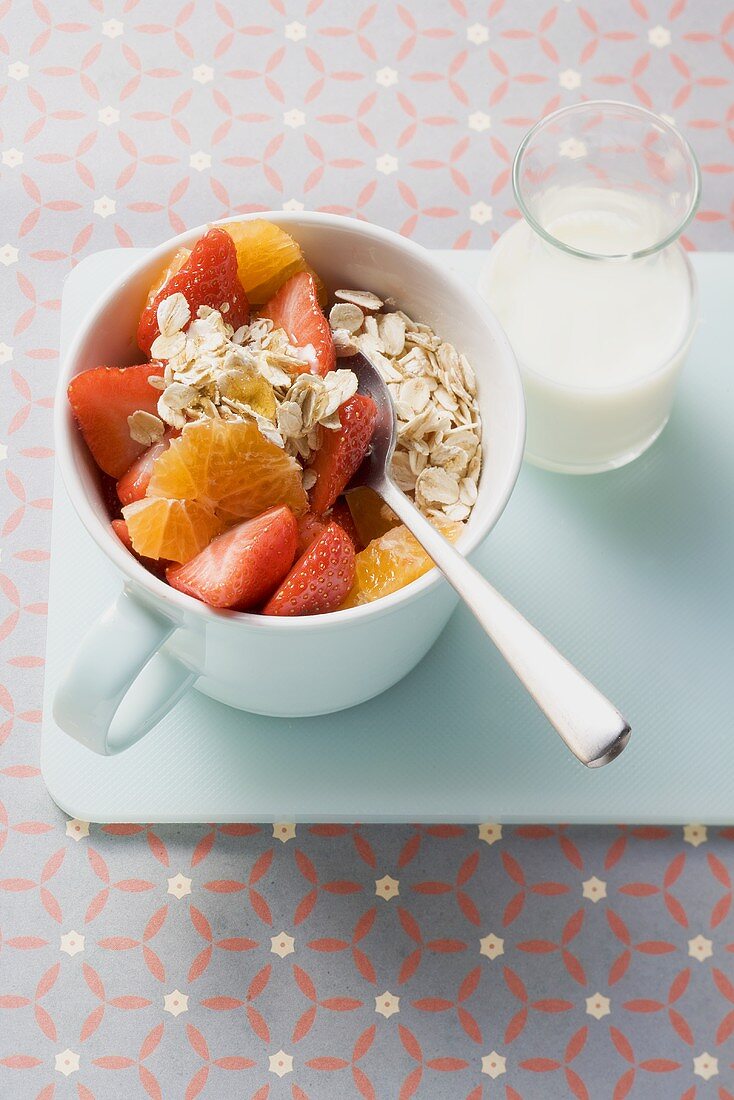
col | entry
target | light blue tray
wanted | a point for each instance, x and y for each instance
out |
(631, 573)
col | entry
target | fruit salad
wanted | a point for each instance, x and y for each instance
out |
(226, 454)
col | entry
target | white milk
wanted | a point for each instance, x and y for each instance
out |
(599, 341)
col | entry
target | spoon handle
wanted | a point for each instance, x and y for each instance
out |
(591, 726)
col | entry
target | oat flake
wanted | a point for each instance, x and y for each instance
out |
(145, 428)
(365, 299)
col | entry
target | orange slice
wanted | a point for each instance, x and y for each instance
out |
(390, 562)
(266, 257)
(173, 529)
(229, 467)
(179, 258)
(371, 515)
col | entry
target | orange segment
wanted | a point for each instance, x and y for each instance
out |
(390, 562)
(173, 529)
(266, 257)
(371, 515)
(180, 257)
(230, 467)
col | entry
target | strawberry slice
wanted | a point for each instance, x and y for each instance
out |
(102, 399)
(296, 309)
(120, 528)
(207, 278)
(320, 579)
(240, 568)
(133, 484)
(309, 529)
(341, 514)
(342, 450)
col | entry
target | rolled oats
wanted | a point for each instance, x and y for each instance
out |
(211, 370)
(417, 459)
(252, 373)
(446, 398)
(145, 428)
(468, 491)
(402, 472)
(365, 299)
(168, 347)
(438, 454)
(290, 419)
(449, 457)
(343, 344)
(437, 486)
(414, 395)
(391, 328)
(346, 315)
(458, 512)
(173, 314)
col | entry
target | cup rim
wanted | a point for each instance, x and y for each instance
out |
(135, 573)
(596, 104)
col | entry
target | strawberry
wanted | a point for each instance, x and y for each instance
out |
(341, 514)
(120, 528)
(309, 529)
(108, 493)
(320, 579)
(207, 278)
(342, 450)
(240, 568)
(296, 309)
(134, 483)
(102, 399)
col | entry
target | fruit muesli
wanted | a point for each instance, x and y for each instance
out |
(230, 450)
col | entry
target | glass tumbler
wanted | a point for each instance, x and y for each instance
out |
(592, 286)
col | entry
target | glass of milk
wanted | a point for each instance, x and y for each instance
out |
(592, 286)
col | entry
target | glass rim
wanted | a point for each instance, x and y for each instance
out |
(570, 250)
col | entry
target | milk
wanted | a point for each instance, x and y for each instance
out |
(599, 341)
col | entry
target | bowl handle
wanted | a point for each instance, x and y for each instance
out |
(120, 659)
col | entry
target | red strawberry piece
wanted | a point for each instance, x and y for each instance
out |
(208, 278)
(320, 579)
(309, 529)
(102, 399)
(296, 309)
(341, 514)
(133, 485)
(108, 492)
(156, 566)
(240, 568)
(120, 528)
(342, 450)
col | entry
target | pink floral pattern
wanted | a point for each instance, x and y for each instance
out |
(325, 960)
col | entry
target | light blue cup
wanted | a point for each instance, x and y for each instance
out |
(154, 642)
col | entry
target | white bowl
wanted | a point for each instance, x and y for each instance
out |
(161, 640)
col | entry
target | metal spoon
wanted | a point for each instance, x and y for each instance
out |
(591, 726)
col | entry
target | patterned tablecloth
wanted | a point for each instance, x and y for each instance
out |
(242, 961)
